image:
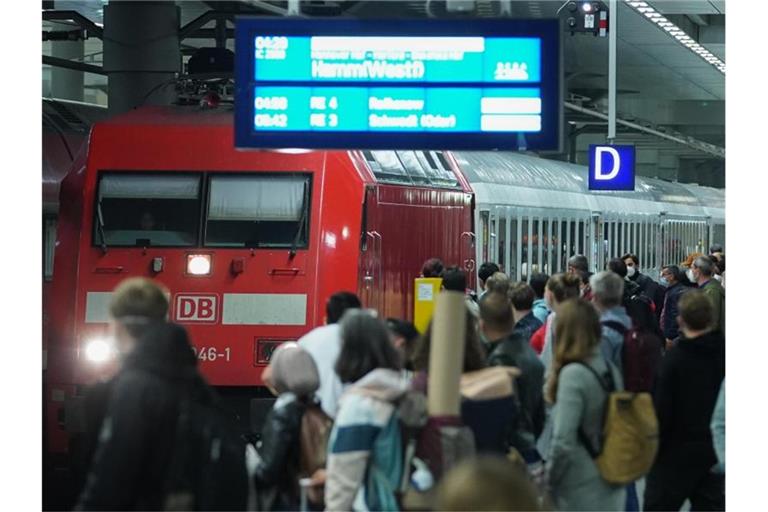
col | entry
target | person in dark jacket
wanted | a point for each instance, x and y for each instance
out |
(684, 396)
(617, 266)
(294, 377)
(510, 347)
(648, 286)
(521, 296)
(139, 417)
(137, 436)
(670, 278)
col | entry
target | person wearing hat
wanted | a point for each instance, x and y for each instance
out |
(293, 376)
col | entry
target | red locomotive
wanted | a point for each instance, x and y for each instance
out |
(249, 243)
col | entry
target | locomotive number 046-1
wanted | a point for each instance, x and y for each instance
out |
(212, 353)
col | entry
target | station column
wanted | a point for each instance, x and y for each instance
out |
(141, 53)
(67, 84)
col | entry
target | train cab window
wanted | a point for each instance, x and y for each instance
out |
(147, 210)
(387, 167)
(441, 172)
(258, 211)
(412, 165)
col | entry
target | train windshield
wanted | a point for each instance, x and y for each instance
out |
(258, 211)
(147, 210)
(429, 168)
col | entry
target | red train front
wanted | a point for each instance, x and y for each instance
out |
(249, 244)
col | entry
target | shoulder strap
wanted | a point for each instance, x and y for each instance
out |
(608, 388)
(615, 325)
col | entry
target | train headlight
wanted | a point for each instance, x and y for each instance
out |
(98, 350)
(199, 264)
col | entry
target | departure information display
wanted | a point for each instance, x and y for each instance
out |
(481, 84)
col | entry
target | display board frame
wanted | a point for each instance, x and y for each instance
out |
(551, 83)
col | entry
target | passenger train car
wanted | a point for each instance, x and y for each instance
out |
(251, 244)
(535, 213)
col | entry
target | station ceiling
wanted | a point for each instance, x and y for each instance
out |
(661, 83)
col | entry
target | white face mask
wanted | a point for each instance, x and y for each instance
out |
(690, 276)
(631, 271)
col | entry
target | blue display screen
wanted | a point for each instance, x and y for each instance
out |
(429, 84)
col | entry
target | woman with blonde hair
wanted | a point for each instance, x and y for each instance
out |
(579, 400)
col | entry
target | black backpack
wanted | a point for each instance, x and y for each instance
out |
(640, 356)
(207, 469)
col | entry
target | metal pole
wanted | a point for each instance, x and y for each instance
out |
(612, 17)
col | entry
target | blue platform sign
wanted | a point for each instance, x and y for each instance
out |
(611, 167)
(397, 84)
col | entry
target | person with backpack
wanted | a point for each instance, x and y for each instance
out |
(294, 377)
(365, 459)
(580, 402)
(685, 395)
(137, 454)
(607, 293)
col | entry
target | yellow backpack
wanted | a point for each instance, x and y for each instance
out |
(630, 436)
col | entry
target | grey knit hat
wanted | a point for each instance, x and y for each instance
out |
(294, 370)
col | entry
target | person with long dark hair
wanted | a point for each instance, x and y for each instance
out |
(364, 458)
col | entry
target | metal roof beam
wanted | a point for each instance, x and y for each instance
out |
(681, 139)
(72, 64)
(90, 27)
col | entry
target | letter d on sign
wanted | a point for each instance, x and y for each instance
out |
(599, 163)
(611, 167)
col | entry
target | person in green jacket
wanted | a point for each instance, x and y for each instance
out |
(703, 269)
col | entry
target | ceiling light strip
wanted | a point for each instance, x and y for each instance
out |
(673, 30)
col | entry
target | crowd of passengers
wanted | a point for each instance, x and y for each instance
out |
(533, 442)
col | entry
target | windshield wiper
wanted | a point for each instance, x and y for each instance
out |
(100, 217)
(302, 220)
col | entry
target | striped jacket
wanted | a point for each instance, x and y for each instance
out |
(365, 450)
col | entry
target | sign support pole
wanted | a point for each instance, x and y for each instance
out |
(613, 16)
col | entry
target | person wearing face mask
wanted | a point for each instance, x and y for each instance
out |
(648, 286)
(670, 279)
(702, 270)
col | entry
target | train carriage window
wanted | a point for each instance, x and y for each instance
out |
(147, 210)
(258, 211)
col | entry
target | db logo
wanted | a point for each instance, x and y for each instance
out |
(192, 307)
